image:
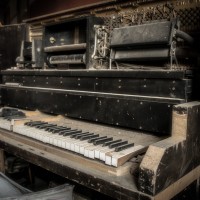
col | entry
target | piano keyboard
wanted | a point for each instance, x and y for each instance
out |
(110, 151)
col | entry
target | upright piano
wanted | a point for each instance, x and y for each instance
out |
(109, 101)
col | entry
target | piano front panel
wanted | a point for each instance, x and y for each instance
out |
(151, 114)
(169, 84)
(135, 99)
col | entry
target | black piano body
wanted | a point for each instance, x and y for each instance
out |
(134, 95)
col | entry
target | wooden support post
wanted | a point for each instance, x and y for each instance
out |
(2, 163)
(175, 158)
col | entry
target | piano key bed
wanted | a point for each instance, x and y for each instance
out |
(88, 144)
(113, 147)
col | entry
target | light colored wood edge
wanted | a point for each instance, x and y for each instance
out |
(179, 124)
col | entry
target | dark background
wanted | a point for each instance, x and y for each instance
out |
(15, 11)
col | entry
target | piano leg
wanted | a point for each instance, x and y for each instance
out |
(2, 161)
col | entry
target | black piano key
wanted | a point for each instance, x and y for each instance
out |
(33, 122)
(83, 134)
(88, 137)
(79, 134)
(51, 128)
(67, 131)
(101, 141)
(111, 142)
(74, 135)
(94, 139)
(59, 129)
(71, 133)
(44, 126)
(36, 125)
(123, 147)
(117, 144)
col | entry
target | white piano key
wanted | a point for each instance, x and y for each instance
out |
(57, 140)
(5, 124)
(83, 146)
(108, 160)
(98, 151)
(64, 142)
(104, 152)
(90, 151)
(75, 144)
(78, 144)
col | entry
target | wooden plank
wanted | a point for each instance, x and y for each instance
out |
(2, 161)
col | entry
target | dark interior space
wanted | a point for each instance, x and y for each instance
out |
(12, 12)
